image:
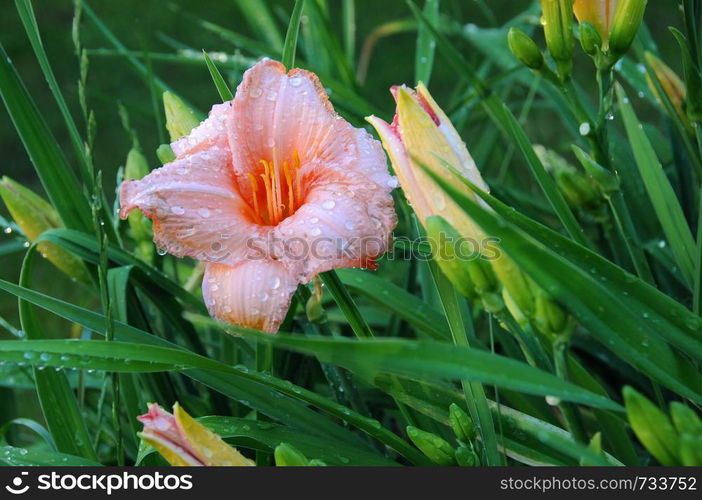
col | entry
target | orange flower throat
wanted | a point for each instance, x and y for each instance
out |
(276, 192)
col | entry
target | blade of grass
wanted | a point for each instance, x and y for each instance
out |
(259, 18)
(58, 403)
(290, 44)
(55, 174)
(659, 190)
(426, 46)
(222, 88)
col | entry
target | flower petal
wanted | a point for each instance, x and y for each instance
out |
(211, 132)
(206, 445)
(347, 223)
(252, 294)
(277, 114)
(600, 13)
(161, 431)
(195, 207)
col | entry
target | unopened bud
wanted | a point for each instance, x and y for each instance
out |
(165, 154)
(466, 457)
(652, 427)
(626, 23)
(557, 20)
(136, 168)
(590, 38)
(691, 450)
(435, 448)
(34, 215)
(685, 419)
(672, 86)
(461, 423)
(287, 455)
(180, 119)
(525, 49)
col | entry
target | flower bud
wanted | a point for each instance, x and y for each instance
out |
(135, 168)
(525, 49)
(672, 85)
(287, 455)
(180, 119)
(652, 427)
(165, 154)
(461, 423)
(590, 39)
(685, 419)
(550, 318)
(557, 20)
(435, 448)
(691, 450)
(466, 457)
(625, 25)
(34, 215)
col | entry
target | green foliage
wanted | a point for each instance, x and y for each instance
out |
(592, 360)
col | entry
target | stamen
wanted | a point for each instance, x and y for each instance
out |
(254, 191)
(279, 181)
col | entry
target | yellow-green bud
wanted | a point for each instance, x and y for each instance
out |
(287, 455)
(626, 23)
(315, 462)
(165, 154)
(685, 419)
(590, 39)
(594, 446)
(461, 423)
(34, 215)
(525, 49)
(516, 290)
(136, 168)
(550, 318)
(691, 450)
(466, 457)
(652, 427)
(435, 448)
(557, 19)
(180, 119)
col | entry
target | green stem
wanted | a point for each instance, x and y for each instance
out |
(569, 411)
(343, 299)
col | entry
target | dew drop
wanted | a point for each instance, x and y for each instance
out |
(178, 210)
(315, 231)
(255, 93)
(204, 213)
(329, 204)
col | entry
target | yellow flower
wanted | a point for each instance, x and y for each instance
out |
(183, 441)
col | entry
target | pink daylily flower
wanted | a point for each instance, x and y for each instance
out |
(272, 189)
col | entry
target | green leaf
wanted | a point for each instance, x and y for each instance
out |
(259, 17)
(426, 46)
(437, 361)
(604, 311)
(661, 193)
(58, 404)
(22, 457)
(56, 176)
(347, 305)
(412, 309)
(222, 88)
(268, 435)
(290, 45)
